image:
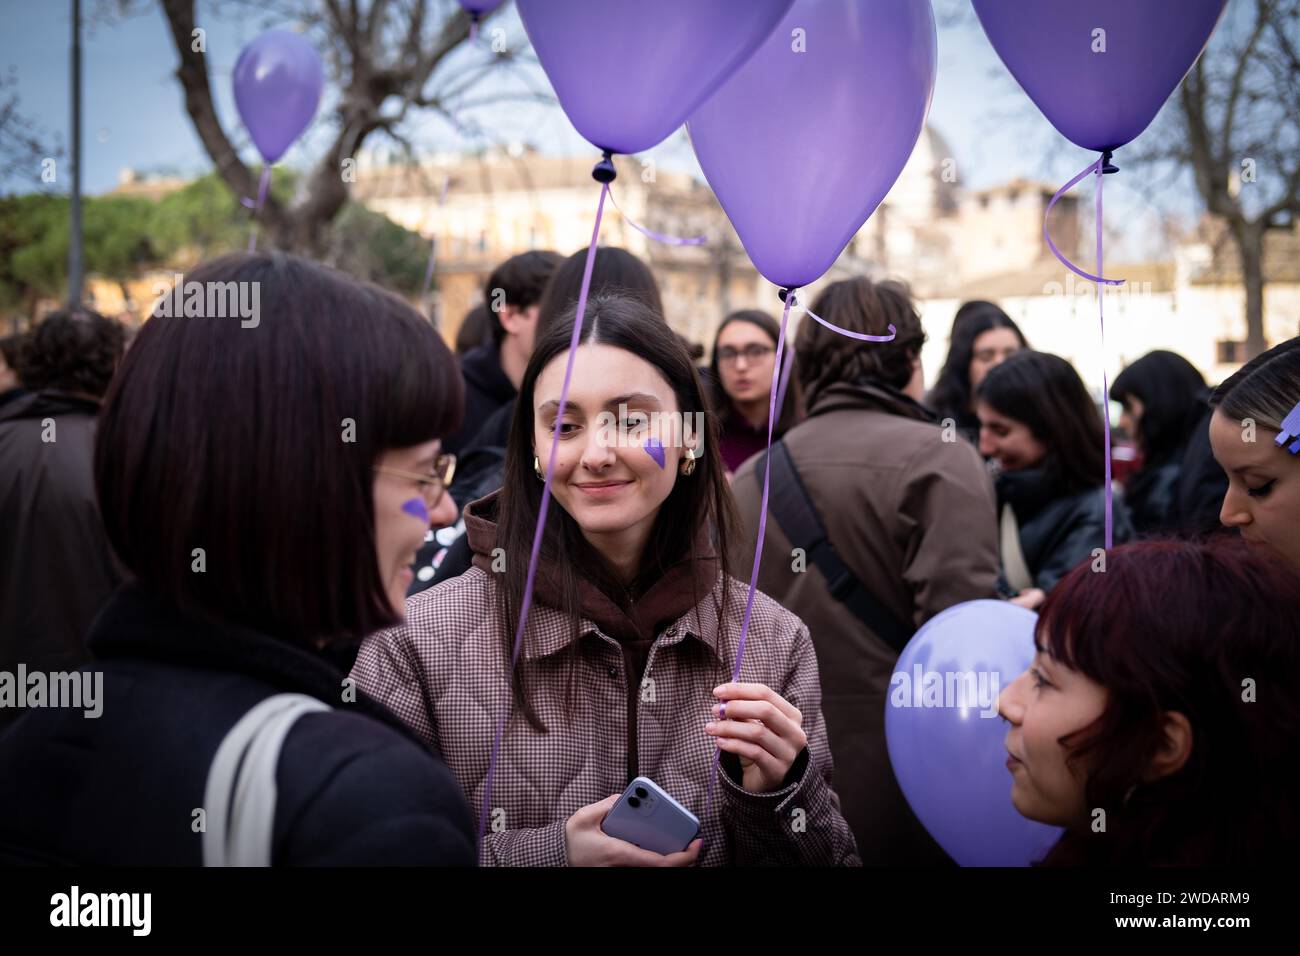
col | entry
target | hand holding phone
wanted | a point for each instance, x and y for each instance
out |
(588, 843)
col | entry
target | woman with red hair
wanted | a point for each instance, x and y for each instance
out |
(1159, 722)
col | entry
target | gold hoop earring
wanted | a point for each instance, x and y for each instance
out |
(537, 468)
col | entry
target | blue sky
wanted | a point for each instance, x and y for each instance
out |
(135, 114)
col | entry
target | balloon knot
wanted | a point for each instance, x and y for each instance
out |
(604, 171)
(1106, 165)
(782, 293)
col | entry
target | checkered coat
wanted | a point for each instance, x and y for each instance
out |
(445, 673)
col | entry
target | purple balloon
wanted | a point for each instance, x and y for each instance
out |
(628, 72)
(947, 748)
(801, 147)
(278, 79)
(480, 7)
(1099, 100)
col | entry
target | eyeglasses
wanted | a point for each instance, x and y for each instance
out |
(753, 352)
(433, 486)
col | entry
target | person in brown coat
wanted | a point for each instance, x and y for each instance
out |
(626, 665)
(909, 511)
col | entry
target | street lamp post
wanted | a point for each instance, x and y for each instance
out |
(75, 264)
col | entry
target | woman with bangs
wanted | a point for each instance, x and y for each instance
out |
(1159, 723)
(266, 488)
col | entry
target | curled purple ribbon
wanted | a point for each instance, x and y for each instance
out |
(860, 336)
(1092, 168)
(1098, 169)
(658, 236)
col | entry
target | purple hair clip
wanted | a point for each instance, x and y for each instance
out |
(1291, 431)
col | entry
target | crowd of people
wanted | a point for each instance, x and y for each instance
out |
(335, 505)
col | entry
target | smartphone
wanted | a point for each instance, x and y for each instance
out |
(648, 817)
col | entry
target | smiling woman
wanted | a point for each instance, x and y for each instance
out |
(632, 634)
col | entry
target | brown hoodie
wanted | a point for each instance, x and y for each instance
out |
(634, 621)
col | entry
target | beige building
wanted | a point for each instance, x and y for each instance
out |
(948, 243)
(482, 210)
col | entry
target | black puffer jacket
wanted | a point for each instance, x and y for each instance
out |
(354, 786)
(487, 388)
(1058, 529)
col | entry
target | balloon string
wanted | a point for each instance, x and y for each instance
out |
(860, 336)
(1096, 167)
(428, 270)
(263, 185)
(658, 236)
(762, 527)
(785, 378)
(1105, 386)
(541, 517)
(433, 244)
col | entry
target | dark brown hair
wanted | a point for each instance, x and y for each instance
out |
(787, 415)
(951, 395)
(699, 502)
(1177, 625)
(1266, 388)
(72, 350)
(614, 271)
(256, 444)
(858, 305)
(1045, 393)
(521, 279)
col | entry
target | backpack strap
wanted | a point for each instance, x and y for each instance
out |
(790, 504)
(240, 794)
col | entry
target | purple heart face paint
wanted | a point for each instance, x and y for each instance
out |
(655, 450)
(416, 508)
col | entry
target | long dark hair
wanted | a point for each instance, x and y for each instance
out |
(951, 394)
(1266, 388)
(615, 271)
(1045, 393)
(699, 502)
(788, 414)
(1172, 394)
(1179, 625)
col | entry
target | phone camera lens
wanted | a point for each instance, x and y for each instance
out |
(633, 802)
(641, 792)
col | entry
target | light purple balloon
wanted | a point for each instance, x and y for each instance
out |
(801, 147)
(277, 79)
(950, 760)
(628, 72)
(1099, 100)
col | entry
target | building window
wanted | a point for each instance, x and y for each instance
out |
(1231, 353)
